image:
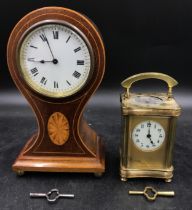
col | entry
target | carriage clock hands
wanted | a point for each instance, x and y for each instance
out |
(149, 133)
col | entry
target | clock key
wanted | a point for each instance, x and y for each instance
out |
(151, 194)
(52, 195)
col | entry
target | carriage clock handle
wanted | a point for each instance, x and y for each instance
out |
(127, 83)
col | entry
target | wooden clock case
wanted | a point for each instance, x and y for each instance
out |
(83, 151)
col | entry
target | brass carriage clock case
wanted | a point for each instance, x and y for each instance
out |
(149, 123)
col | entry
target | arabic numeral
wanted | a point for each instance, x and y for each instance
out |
(148, 124)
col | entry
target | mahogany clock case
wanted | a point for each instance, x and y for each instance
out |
(83, 152)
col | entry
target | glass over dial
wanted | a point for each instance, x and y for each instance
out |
(55, 60)
(148, 100)
(148, 135)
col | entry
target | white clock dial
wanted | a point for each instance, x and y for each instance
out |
(148, 135)
(55, 60)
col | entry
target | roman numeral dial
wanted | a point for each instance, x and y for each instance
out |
(55, 60)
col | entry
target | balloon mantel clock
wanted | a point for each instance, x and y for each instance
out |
(56, 58)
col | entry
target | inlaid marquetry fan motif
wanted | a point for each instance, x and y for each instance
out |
(58, 128)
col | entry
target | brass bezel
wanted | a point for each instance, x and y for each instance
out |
(27, 79)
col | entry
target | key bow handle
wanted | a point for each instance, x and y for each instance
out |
(50, 194)
(150, 193)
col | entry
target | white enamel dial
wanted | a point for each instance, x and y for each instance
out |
(148, 135)
(55, 60)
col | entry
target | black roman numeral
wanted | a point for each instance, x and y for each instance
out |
(43, 37)
(43, 81)
(76, 74)
(80, 62)
(56, 34)
(33, 47)
(77, 49)
(68, 39)
(31, 59)
(34, 71)
(68, 82)
(56, 85)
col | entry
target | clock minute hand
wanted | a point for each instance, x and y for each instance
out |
(49, 46)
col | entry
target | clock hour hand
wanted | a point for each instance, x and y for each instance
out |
(43, 61)
(151, 141)
(149, 137)
(39, 61)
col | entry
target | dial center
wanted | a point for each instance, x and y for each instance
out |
(55, 61)
(148, 135)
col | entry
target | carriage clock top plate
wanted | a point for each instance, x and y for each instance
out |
(138, 103)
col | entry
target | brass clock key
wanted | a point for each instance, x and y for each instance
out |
(151, 194)
(52, 196)
(149, 124)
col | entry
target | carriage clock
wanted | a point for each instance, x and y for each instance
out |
(149, 122)
(56, 58)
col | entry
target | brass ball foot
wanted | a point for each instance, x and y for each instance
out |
(123, 179)
(98, 174)
(20, 173)
(168, 180)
